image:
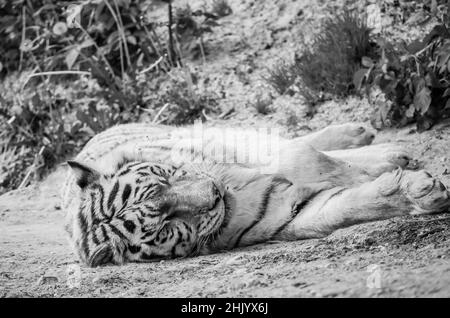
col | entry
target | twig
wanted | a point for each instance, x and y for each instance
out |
(144, 109)
(30, 170)
(226, 113)
(171, 51)
(160, 112)
(121, 32)
(206, 116)
(60, 73)
(127, 53)
(202, 50)
(152, 66)
(180, 54)
(23, 130)
(54, 73)
(424, 49)
(97, 48)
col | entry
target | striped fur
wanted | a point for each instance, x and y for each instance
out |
(128, 199)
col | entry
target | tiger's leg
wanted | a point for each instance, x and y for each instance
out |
(375, 159)
(302, 164)
(392, 194)
(349, 135)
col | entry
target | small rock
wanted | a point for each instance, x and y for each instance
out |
(233, 260)
(47, 280)
(300, 284)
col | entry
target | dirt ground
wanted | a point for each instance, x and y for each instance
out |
(402, 257)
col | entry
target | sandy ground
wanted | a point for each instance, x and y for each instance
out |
(402, 257)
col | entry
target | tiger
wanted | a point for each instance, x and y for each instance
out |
(144, 192)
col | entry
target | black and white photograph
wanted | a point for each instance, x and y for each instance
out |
(240, 150)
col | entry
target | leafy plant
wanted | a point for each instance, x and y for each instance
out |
(281, 77)
(262, 104)
(328, 64)
(182, 99)
(36, 32)
(35, 133)
(334, 56)
(414, 77)
(190, 27)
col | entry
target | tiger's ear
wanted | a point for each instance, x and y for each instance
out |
(84, 174)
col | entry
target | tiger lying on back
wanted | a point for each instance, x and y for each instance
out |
(139, 192)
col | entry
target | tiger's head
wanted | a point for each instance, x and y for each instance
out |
(144, 211)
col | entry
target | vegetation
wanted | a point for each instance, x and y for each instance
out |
(328, 64)
(345, 58)
(415, 76)
(70, 71)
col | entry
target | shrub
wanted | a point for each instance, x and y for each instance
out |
(46, 118)
(414, 77)
(190, 27)
(45, 123)
(186, 100)
(336, 52)
(110, 31)
(39, 127)
(281, 77)
(328, 64)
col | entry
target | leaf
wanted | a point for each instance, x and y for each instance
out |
(416, 46)
(419, 83)
(71, 57)
(437, 31)
(26, 46)
(422, 100)
(131, 39)
(433, 8)
(366, 61)
(417, 18)
(446, 93)
(447, 104)
(358, 78)
(73, 15)
(374, 17)
(424, 123)
(432, 81)
(86, 43)
(59, 28)
(410, 111)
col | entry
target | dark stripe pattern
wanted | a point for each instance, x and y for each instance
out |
(261, 212)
